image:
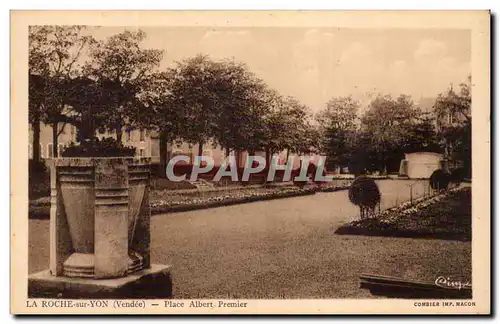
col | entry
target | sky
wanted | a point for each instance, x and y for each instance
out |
(316, 64)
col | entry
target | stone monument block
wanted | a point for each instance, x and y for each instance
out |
(99, 227)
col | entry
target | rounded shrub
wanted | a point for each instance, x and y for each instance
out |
(439, 179)
(457, 175)
(364, 192)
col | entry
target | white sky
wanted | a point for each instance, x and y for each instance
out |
(316, 64)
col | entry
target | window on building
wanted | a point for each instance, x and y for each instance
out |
(142, 135)
(30, 151)
(50, 151)
(127, 136)
(155, 149)
(141, 152)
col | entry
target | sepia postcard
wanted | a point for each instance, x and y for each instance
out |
(250, 162)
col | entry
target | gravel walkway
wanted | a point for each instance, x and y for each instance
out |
(284, 249)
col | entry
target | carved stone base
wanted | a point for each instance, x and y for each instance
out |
(82, 265)
(154, 282)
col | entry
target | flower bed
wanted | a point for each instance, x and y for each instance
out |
(446, 215)
(379, 177)
(203, 200)
(165, 201)
(338, 185)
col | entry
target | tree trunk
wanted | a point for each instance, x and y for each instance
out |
(287, 154)
(88, 130)
(163, 154)
(268, 157)
(238, 158)
(200, 148)
(54, 139)
(119, 133)
(36, 138)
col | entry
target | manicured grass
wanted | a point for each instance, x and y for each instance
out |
(449, 218)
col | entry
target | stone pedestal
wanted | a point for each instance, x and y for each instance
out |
(99, 228)
(153, 282)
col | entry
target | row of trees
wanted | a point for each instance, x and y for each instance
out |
(377, 139)
(115, 85)
(101, 91)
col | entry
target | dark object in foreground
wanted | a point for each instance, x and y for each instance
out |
(402, 288)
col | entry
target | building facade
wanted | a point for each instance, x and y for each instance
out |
(147, 144)
(140, 139)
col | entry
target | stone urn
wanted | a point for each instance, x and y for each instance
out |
(99, 216)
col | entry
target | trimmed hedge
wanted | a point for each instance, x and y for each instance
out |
(439, 180)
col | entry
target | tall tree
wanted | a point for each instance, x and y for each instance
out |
(422, 135)
(338, 124)
(239, 108)
(454, 122)
(54, 53)
(297, 120)
(88, 100)
(275, 128)
(219, 101)
(193, 92)
(35, 102)
(387, 123)
(453, 107)
(160, 113)
(123, 68)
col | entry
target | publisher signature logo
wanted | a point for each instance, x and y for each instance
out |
(446, 282)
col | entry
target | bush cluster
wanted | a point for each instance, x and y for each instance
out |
(364, 192)
(439, 179)
(36, 167)
(107, 147)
